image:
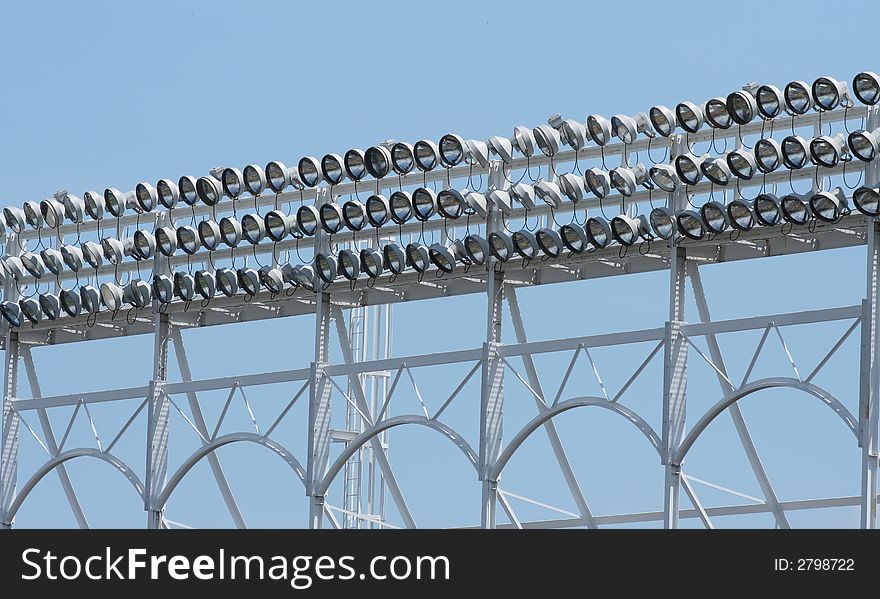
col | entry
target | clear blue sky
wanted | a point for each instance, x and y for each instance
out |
(107, 94)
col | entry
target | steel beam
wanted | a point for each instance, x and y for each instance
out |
(10, 419)
(157, 426)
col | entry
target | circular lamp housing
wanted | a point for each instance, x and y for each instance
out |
(690, 116)
(452, 150)
(798, 97)
(401, 207)
(163, 289)
(769, 100)
(525, 244)
(71, 302)
(253, 228)
(308, 219)
(254, 179)
(331, 217)
(230, 231)
(426, 155)
(424, 203)
(501, 245)
(664, 177)
(309, 171)
(767, 209)
(717, 170)
(394, 258)
(188, 239)
(349, 264)
(30, 309)
(94, 205)
(742, 107)
(795, 152)
(72, 256)
(90, 299)
(829, 206)
(768, 155)
(355, 164)
(115, 201)
(476, 249)
(209, 234)
(50, 304)
(742, 163)
(186, 186)
(549, 242)
(166, 241)
(206, 284)
(828, 93)
(688, 167)
(11, 312)
(378, 161)
(372, 263)
(333, 169)
(574, 237)
(524, 140)
(691, 225)
(53, 213)
(168, 193)
(864, 145)
(598, 181)
(663, 120)
(717, 114)
(418, 256)
(232, 181)
(403, 159)
(867, 200)
(210, 190)
(598, 232)
(378, 210)
(866, 87)
(662, 222)
(112, 296)
(450, 203)
(227, 281)
(443, 256)
(795, 209)
(742, 217)
(599, 128)
(354, 214)
(714, 215)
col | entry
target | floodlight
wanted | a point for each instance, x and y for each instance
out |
(332, 169)
(403, 159)
(53, 260)
(116, 201)
(742, 107)
(476, 202)
(371, 262)
(501, 147)
(742, 216)
(663, 120)
(52, 212)
(627, 128)
(769, 100)
(795, 152)
(253, 228)
(627, 180)
(717, 170)
(524, 194)
(548, 139)
(829, 206)
(867, 200)
(111, 296)
(138, 293)
(691, 225)
(90, 299)
(355, 164)
(163, 289)
(742, 163)
(865, 145)
(401, 207)
(524, 140)
(308, 219)
(206, 284)
(349, 264)
(477, 152)
(690, 116)
(254, 179)
(11, 312)
(209, 234)
(92, 200)
(70, 302)
(798, 98)
(166, 241)
(33, 264)
(426, 154)
(31, 310)
(50, 304)
(209, 189)
(418, 256)
(279, 176)
(272, 278)
(662, 222)
(232, 181)
(664, 177)
(424, 204)
(767, 209)
(717, 114)
(394, 258)
(501, 245)
(378, 210)
(188, 239)
(599, 128)
(598, 232)
(93, 254)
(714, 215)
(626, 230)
(574, 237)
(72, 256)
(443, 256)
(573, 186)
(354, 214)
(452, 150)
(186, 186)
(74, 207)
(309, 169)
(113, 250)
(574, 133)
(827, 151)
(549, 242)
(525, 244)
(795, 209)
(476, 249)
(227, 281)
(378, 161)
(32, 214)
(167, 192)
(688, 167)
(230, 231)
(828, 93)
(549, 193)
(768, 155)
(866, 87)
(598, 181)
(331, 217)
(249, 281)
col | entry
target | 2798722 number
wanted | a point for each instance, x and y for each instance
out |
(825, 564)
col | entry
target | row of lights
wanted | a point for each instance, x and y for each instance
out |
(740, 107)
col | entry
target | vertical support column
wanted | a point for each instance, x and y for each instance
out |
(492, 391)
(319, 388)
(10, 420)
(157, 408)
(869, 380)
(675, 362)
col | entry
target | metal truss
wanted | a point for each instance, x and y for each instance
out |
(497, 365)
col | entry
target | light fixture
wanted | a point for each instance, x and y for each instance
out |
(394, 258)
(598, 232)
(865, 145)
(94, 205)
(452, 150)
(476, 202)
(72, 256)
(271, 278)
(31, 310)
(53, 213)
(138, 293)
(354, 214)
(866, 87)
(691, 225)
(309, 169)
(768, 155)
(188, 239)
(573, 186)
(209, 234)
(331, 217)
(476, 249)
(332, 169)
(690, 116)
(249, 281)
(355, 164)
(574, 133)
(795, 152)
(90, 299)
(664, 177)
(166, 241)
(378, 161)
(33, 264)
(93, 254)
(524, 194)
(426, 155)
(146, 196)
(549, 242)
(717, 170)
(401, 207)
(50, 304)
(253, 228)
(627, 179)
(828, 93)
(227, 281)
(626, 230)
(304, 276)
(797, 97)
(477, 153)
(573, 237)
(53, 260)
(230, 231)
(599, 128)
(11, 311)
(767, 210)
(829, 206)
(598, 181)
(742, 163)
(163, 289)
(742, 107)
(349, 264)
(663, 120)
(525, 244)
(74, 207)
(232, 181)
(867, 200)
(688, 167)
(827, 151)
(402, 158)
(443, 257)
(549, 193)
(769, 100)
(116, 201)
(548, 139)
(308, 219)
(111, 296)
(742, 217)
(662, 222)
(626, 128)
(501, 245)
(424, 203)
(418, 256)
(206, 284)
(168, 193)
(524, 140)
(378, 210)
(32, 214)
(371, 262)
(279, 176)
(795, 209)
(254, 179)
(501, 147)
(70, 302)
(717, 114)
(186, 186)
(209, 189)
(714, 215)
(113, 249)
